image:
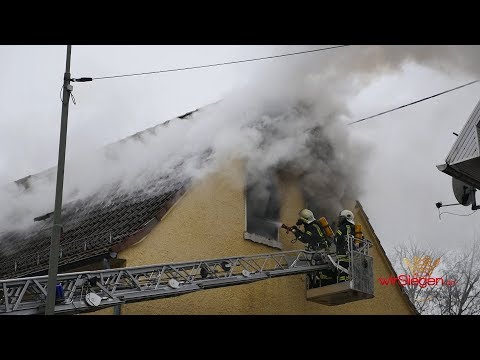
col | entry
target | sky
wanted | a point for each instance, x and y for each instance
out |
(402, 183)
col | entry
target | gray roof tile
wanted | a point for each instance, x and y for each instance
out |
(90, 227)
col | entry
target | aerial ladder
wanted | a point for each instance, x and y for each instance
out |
(93, 290)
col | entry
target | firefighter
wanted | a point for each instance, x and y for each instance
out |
(314, 239)
(346, 228)
(312, 235)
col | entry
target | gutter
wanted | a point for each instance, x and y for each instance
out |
(454, 172)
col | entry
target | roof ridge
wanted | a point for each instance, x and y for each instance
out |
(24, 181)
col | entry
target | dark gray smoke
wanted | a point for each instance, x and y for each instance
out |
(300, 137)
(325, 154)
(291, 118)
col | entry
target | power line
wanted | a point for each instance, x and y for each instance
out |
(85, 79)
(209, 65)
(415, 102)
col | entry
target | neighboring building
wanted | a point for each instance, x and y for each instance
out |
(188, 220)
(463, 160)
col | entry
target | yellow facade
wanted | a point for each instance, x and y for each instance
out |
(209, 222)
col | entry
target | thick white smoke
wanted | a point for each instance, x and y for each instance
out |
(292, 117)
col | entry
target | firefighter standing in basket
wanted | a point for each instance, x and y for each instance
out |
(345, 229)
(314, 238)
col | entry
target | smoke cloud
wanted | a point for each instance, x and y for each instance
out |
(291, 120)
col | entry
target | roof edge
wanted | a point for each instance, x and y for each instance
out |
(150, 224)
(455, 172)
(385, 257)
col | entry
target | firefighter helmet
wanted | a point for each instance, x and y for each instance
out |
(307, 216)
(348, 215)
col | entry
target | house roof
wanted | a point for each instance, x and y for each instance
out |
(384, 256)
(467, 144)
(463, 160)
(90, 227)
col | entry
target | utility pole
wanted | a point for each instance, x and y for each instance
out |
(57, 215)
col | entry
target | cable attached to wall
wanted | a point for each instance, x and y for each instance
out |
(446, 212)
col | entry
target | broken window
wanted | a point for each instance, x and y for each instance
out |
(263, 209)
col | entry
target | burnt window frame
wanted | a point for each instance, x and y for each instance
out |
(273, 241)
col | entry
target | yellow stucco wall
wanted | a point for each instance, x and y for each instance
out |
(209, 222)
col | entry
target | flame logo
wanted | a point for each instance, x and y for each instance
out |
(421, 266)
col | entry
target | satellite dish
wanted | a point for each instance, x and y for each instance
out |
(464, 193)
(174, 284)
(246, 273)
(93, 299)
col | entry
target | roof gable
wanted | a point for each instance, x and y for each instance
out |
(467, 145)
(383, 255)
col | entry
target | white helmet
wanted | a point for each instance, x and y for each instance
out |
(307, 216)
(347, 214)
